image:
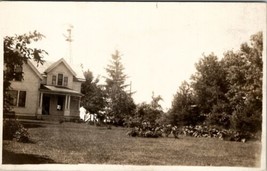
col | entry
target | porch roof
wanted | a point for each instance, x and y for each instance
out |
(58, 90)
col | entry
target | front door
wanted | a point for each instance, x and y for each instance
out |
(46, 105)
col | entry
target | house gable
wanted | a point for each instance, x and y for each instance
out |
(53, 76)
(61, 61)
(34, 69)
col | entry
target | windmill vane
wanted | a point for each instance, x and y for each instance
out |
(69, 39)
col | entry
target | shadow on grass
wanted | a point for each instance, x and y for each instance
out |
(17, 158)
(32, 125)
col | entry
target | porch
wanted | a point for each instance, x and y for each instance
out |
(58, 103)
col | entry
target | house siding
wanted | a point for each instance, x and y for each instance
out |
(30, 84)
(60, 69)
(77, 86)
(47, 105)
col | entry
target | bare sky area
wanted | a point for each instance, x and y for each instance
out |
(160, 42)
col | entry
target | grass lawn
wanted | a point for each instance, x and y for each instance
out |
(72, 143)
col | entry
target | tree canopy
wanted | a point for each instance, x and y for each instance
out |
(183, 107)
(227, 92)
(120, 105)
(17, 52)
(94, 99)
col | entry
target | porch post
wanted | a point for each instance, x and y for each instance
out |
(66, 102)
(66, 107)
(40, 106)
(41, 101)
(69, 103)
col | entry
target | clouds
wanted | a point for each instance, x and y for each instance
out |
(160, 43)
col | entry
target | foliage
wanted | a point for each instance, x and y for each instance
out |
(115, 72)
(120, 105)
(145, 112)
(227, 92)
(13, 129)
(17, 52)
(148, 130)
(215, 132)
(244, 75)
(151, 113)
(183, 110)
(94, 99)
(145, 131)
(210, 86)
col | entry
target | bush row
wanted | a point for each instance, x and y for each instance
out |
(136, 132)
(214, 132)
(145, 129)
(194, 131)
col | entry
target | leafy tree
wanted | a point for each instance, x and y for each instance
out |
(17, 52)
(120, 105)
(152, 112)
(94, 99)
(228, 92)
(184, 108)
(210, 86)
(244, 75)
(155, 102)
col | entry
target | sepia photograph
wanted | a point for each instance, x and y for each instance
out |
(133, 85)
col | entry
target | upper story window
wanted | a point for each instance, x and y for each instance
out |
(66, 81)
(60, 79)
(17, 72)
(22, 98)
(14, 72)
(54, 80)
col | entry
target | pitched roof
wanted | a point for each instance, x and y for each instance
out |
(54, 65)
(34, 69)
(49, 65)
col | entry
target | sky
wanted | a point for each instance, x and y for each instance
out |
(159, 42)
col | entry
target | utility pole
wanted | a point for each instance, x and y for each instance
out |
(69, 39)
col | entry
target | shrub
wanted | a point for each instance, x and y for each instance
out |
(146, 130)
(216, 132)
(14, 130)
(133, 132)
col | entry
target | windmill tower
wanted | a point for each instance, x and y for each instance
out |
(69, 40)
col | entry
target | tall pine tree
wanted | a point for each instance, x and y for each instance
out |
(120, 105)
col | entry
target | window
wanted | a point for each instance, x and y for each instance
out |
(13, 95)
(66, 81)
(22, 98)
(17, 73)
(17, 98)
(54, 79)
(60, 79)
(60, 101)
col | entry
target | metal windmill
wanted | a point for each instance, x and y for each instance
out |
(69, 39)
